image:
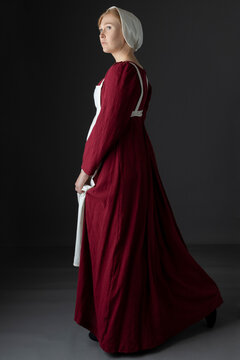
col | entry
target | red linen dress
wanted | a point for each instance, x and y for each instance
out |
(137, 282)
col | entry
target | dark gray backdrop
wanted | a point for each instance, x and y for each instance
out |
(52, 60)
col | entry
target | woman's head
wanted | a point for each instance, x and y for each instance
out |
(120, 30)
(110, 32)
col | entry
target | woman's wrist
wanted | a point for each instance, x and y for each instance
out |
(84, 177)
(83, 172)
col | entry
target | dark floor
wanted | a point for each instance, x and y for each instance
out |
(38, 289)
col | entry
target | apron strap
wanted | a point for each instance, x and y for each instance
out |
(138, 112)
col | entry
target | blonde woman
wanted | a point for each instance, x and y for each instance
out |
(138, 284)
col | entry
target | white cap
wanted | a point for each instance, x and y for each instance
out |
(131, 28)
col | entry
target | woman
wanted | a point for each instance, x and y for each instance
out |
(137, 283)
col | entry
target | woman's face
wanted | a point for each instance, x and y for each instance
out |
(111, 36)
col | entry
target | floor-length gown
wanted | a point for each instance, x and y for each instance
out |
(137, 282)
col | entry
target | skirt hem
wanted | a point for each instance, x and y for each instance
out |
(155, 343)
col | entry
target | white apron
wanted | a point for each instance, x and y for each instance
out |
(81, 197)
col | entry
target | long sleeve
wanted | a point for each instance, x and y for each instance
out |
(119, 95)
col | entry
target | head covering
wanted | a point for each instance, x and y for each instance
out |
(131, 28)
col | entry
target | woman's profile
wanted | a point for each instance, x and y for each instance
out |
(137, 284)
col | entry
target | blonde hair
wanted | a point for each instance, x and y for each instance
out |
(111, 11)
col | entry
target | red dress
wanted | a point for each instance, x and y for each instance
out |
(137, 282)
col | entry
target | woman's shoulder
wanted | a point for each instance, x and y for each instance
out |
(121, 68)
(120, 65)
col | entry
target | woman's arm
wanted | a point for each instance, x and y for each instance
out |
(120, 92)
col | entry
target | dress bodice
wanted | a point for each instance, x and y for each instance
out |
(97, 100)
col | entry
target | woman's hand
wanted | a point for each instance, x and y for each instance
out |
(82, 179)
